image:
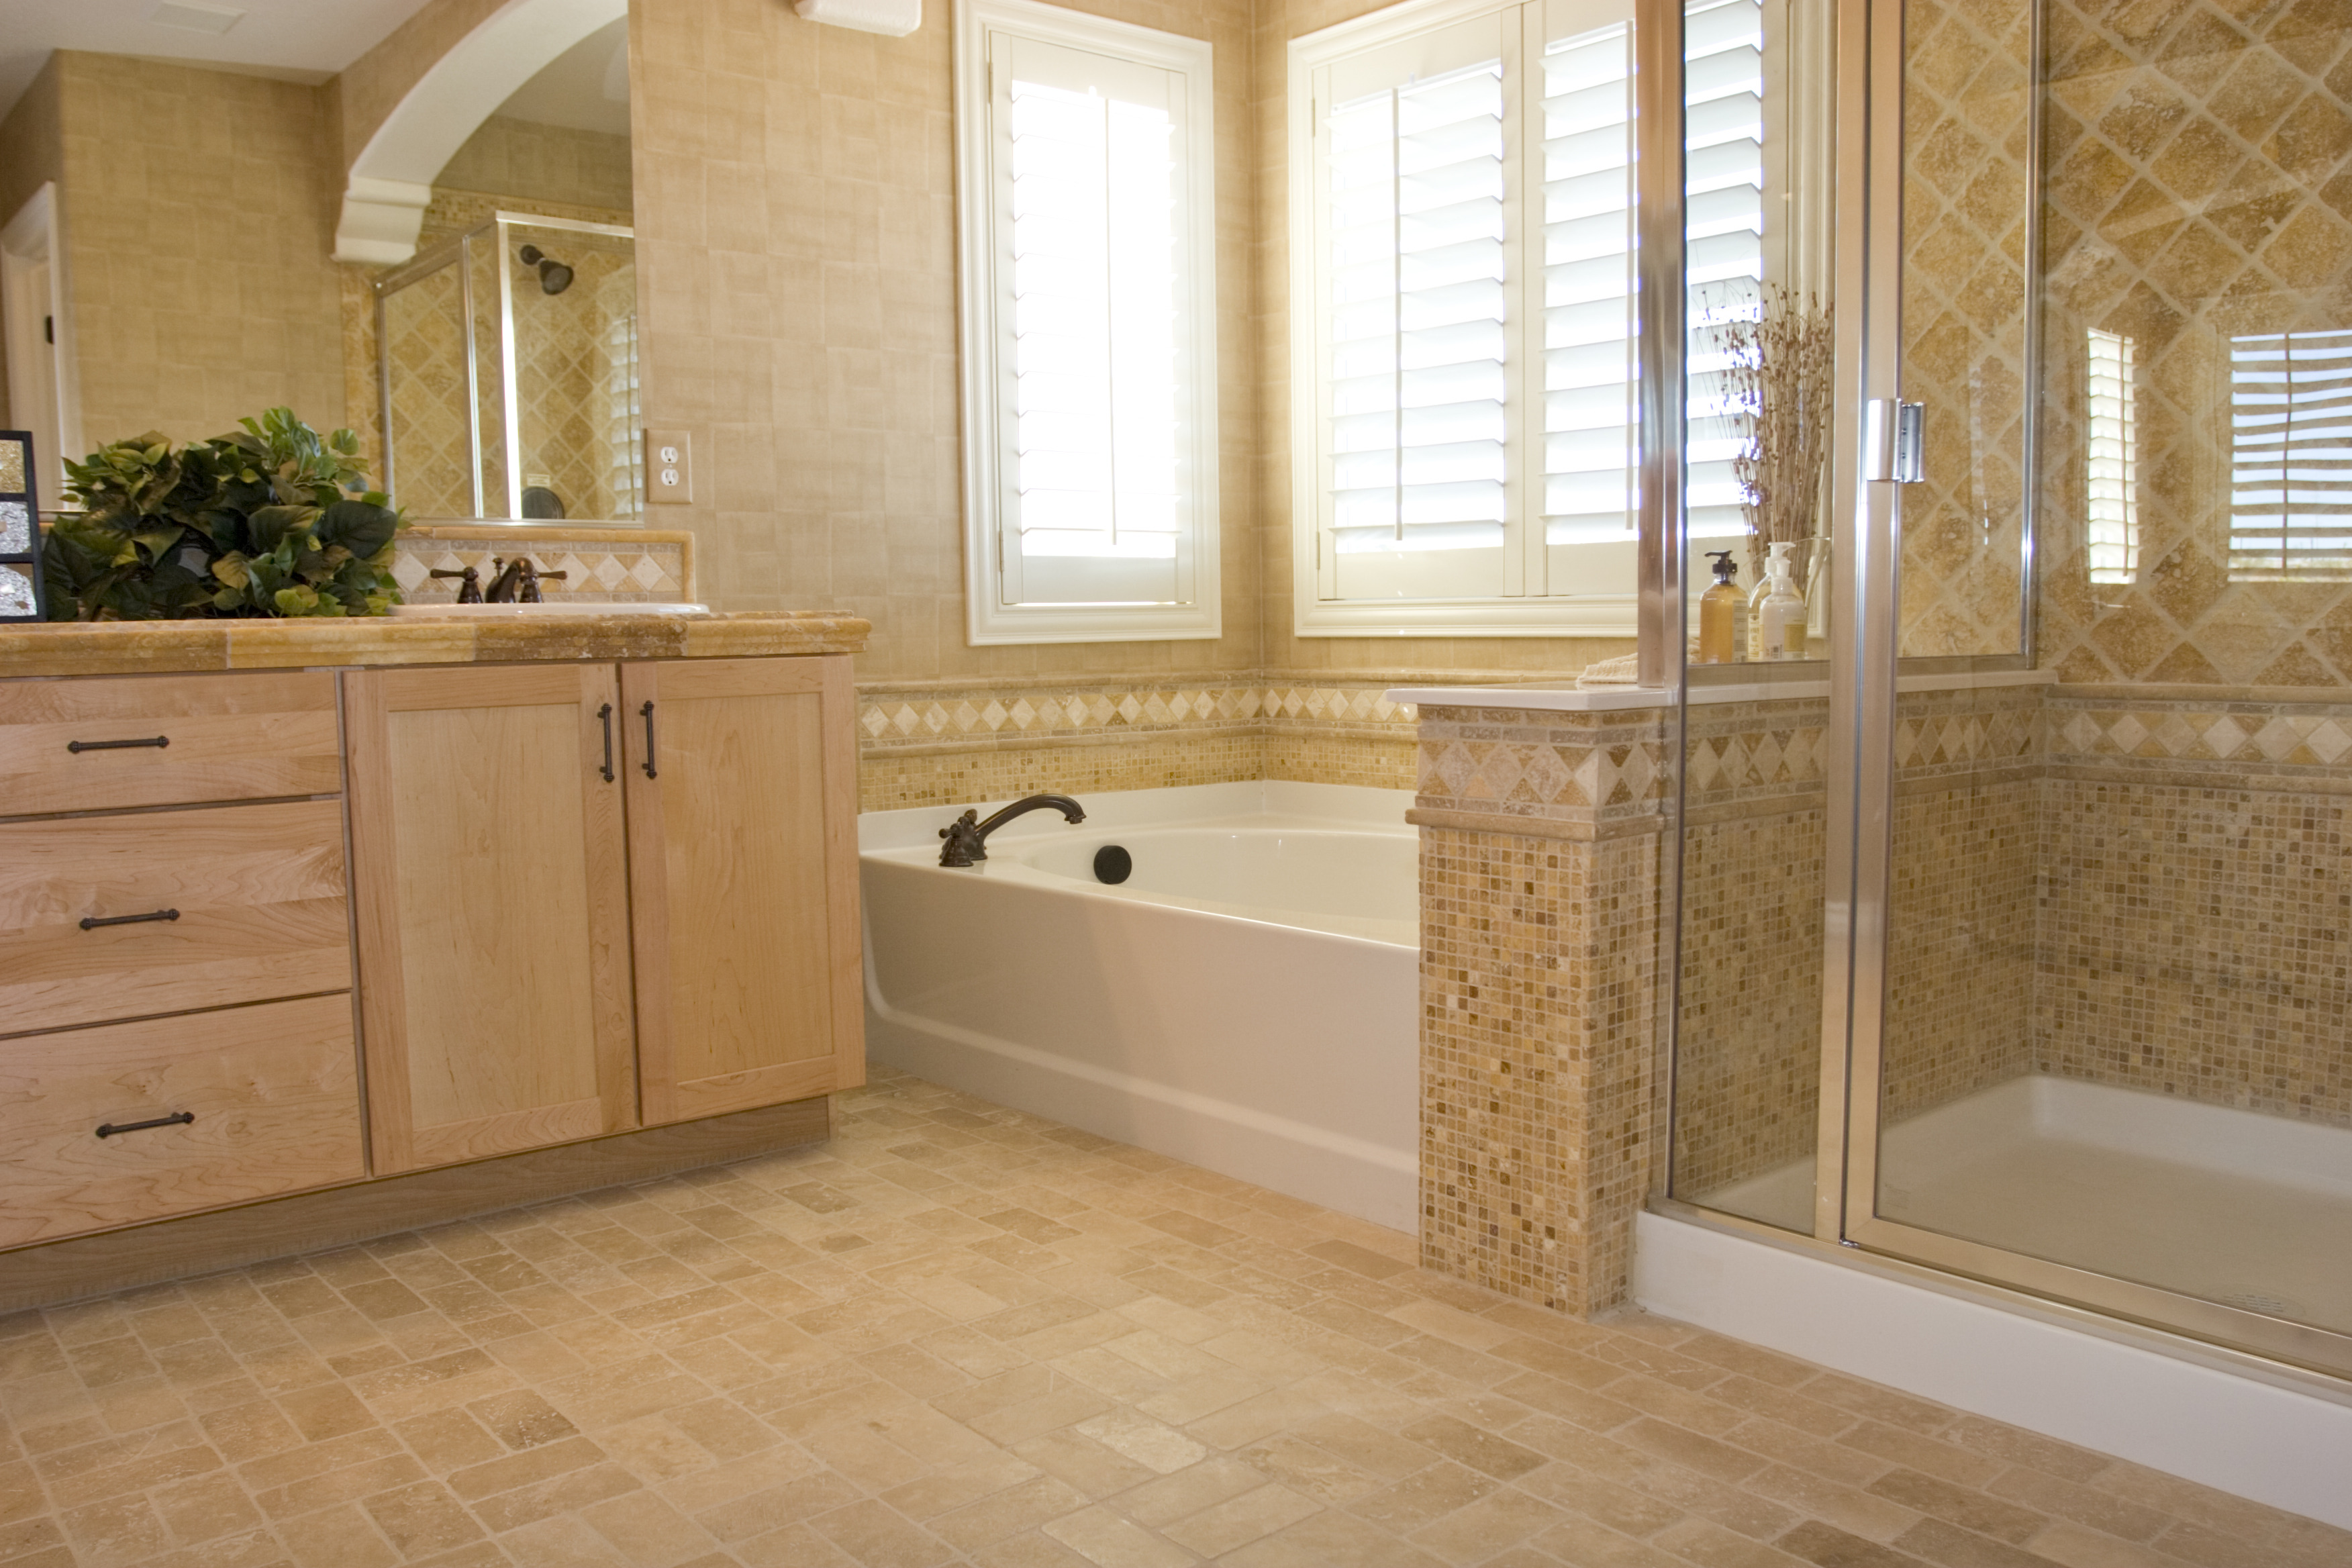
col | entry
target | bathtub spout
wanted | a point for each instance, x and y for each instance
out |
(967, 836)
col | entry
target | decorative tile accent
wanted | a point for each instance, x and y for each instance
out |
(617, 566)
(1505, 765)
(922, 717)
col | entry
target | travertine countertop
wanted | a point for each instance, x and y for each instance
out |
(176, 647)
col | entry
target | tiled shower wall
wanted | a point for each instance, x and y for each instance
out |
(2199, 187)
(2196, 923)
(2096, 883)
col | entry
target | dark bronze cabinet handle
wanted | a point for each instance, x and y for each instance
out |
(605, 715)
(79, 747)
(91, 923)
(177, 1118)
(648, 712)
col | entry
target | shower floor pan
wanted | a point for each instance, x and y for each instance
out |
(2229, 1205)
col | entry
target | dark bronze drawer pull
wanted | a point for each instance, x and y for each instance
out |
(91, 923)
(79, 747)
(648, 712)
(605, 714)
(177, 1118)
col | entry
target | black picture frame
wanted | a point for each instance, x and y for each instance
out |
(20, 523)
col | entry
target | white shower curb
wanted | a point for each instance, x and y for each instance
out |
(2239, 1434)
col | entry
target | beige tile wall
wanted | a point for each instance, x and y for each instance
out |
(2201, 186)
(2193, 936)
(959, 742)
(197, 232)
(1966, 196)
(795, 222)
(549, 163)
(1748, 1070)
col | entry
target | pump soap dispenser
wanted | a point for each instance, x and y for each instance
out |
(1723, 615)
(1777, 609)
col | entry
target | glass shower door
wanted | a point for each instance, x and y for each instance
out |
(2102, 957)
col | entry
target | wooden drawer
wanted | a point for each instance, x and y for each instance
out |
(230, 737)
(274, 1091)
(257, 891)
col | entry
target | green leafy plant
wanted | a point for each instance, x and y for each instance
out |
(270, 520)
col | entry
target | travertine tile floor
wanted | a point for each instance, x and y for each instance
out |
(957, 1333)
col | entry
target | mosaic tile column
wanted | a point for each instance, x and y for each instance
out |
(1541, 1113)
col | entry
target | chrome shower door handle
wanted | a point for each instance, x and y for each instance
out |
(1910, 443)
(1893, 441)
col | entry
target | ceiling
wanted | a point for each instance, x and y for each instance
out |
(308, 40)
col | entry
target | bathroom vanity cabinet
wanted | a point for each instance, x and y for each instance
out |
(331, 930)
(593, 896)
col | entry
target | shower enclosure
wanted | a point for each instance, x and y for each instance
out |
(508, 373)
(2014, 939)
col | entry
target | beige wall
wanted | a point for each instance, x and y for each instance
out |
(795, 223)
(546, 162)
(197, 230)
(32, 154)
(795, 242)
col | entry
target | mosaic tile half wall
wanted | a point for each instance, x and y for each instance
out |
(2137, 888)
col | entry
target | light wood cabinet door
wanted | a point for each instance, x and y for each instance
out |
(742, 786)
(488, 866)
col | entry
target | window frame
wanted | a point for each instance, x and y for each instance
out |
(1612, 614)
(986, 304)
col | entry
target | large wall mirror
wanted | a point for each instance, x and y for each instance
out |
(437, 254)
(507, 352)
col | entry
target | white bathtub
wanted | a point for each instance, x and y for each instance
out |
(1247, 1000)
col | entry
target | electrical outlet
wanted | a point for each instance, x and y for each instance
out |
(669, 467)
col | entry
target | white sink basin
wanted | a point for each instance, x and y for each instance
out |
(541, 611)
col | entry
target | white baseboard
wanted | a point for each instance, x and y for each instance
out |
(2257, 1440)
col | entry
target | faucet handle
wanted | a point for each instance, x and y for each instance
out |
(469, 585)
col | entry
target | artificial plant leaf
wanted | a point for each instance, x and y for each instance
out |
(270, 525)
(361, 527)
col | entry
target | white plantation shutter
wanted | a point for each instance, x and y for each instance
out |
(1089, 349)
(1588, 293)
(1723, 80)
(1463, 310)
(1092, 474)
(2111, 459)
(2291, 456)
(1414, 173)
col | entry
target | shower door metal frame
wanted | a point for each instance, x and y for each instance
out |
(1866, 668)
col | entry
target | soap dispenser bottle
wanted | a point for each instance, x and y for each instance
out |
(1723, 615)
(1777, 609)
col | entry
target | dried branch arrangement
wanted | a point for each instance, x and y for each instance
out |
(1779, 376)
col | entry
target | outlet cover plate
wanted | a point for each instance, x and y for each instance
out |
(669, 467)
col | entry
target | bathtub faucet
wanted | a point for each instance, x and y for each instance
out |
(967, 836)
